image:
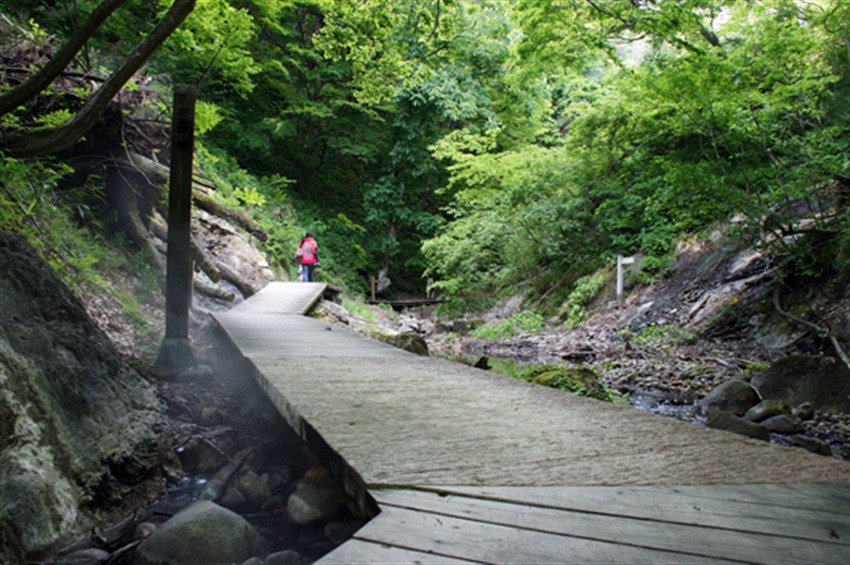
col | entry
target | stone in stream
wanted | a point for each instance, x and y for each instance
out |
(767, 409)
(203, 532)
(255, 491)
(813, 444)
(733, 396)
(316, 498)
(725, 421)
(804, 411)
(784, 424)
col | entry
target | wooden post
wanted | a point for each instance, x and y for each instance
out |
(175, 351)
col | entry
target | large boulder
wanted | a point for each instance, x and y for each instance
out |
(203, 532)
(824, 382)
(734, 396)
(81, 429)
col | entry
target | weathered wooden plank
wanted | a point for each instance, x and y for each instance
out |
(820, 497)
(666, 536)
(665, 504)
(492, 543)
(358, 552)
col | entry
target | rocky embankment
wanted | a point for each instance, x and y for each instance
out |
(82, 432)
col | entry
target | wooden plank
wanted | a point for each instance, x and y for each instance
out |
(491, 543)
(665, 504)
(666, 536)
(357, 552)
(820, 497)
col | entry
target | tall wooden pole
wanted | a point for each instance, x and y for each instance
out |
(175, 351)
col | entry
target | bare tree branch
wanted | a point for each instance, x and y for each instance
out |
(13, 98)
(53, 140)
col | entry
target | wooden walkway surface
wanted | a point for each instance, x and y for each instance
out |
(469, 466)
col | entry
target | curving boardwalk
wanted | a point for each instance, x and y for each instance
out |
(469, 466)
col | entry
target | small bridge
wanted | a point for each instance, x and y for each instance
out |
(460, 465)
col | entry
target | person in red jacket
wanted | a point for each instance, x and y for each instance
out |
(307, 255)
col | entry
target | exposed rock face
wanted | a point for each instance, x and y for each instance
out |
(80, 428)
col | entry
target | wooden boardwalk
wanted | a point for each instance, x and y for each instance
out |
(468, 466)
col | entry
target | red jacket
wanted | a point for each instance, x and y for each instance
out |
(309, 251)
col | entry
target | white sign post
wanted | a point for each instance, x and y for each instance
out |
(621, 262)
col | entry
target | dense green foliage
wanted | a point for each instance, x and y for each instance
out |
(510, 147)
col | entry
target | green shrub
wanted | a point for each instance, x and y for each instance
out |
(586, 288)
(527, 321)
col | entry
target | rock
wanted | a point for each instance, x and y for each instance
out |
(90, 556)
(721, 420)
(824, 382)
(202, 532)
(333, 312)
(316, 499)
(232, 498)
(276, 480)
(253, 488)
(412, 342)
(253, 561)
(341, 532)
(580, 380)
(144, 530)
(733, 396)
(804, 411)
(813, 444)
(784, 424)
(287, 557)
(82, 430)
(275, 502)
(201, 458)
(212, 490)
(766, 409)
